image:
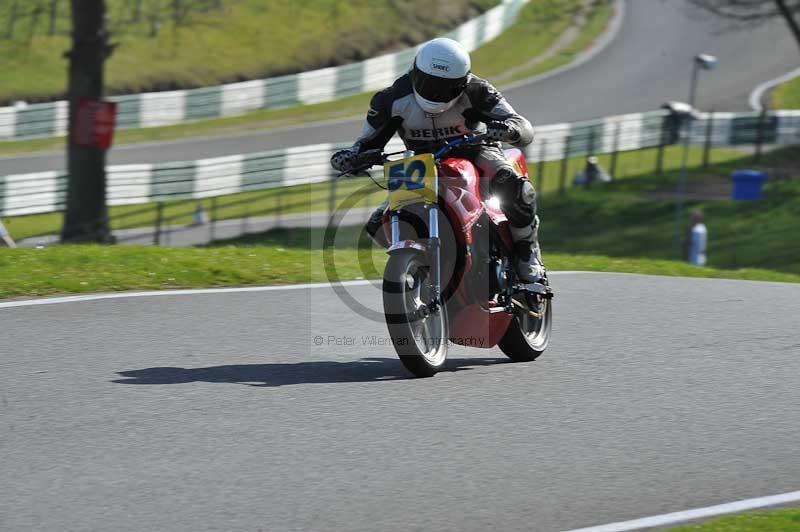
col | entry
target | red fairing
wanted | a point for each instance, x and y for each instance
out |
(471, 325)
(471, 322)
(474, 326)
(459, 183)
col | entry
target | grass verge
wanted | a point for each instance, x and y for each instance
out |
(787, 95)
(636, 217)
(539, 25)
(784, 520)
(82, 269)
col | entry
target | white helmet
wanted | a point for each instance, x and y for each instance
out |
(439, 75)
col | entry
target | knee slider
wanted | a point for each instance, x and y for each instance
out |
(527, 193)
(517, 197)
(505, 185)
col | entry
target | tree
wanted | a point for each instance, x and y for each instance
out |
(756, 11)
(86, 217)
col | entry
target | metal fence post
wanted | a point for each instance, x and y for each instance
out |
(709, 137)
(562, 182)
(36, 12)
(589, 154)
(212, 220)
(760, 134)
(12, 20)
(278, 209)
(615, 151)
(159, 221)
(661, 145)
(540, 168)
(53, 17)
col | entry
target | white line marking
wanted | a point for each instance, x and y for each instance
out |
(758, 93)
(698, 513)
(163, 293)
(195, 291)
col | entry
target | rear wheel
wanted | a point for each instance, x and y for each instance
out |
(419, 336)
(528, 333)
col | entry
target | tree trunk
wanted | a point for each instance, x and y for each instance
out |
(86, 217)
(788, 16)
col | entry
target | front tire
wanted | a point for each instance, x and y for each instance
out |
(528, 336)
(420, 341)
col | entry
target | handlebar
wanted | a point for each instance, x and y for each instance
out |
(370, 158)
(471, 139)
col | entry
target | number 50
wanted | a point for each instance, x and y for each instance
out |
(412, 176)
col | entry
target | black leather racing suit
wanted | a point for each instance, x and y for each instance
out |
(395, 110)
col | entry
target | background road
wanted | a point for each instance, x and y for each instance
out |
(648, 64)
(219, 412)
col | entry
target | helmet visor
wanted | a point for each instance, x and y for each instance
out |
(436, 89)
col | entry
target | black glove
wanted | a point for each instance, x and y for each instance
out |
(501, 132)
(343, 160)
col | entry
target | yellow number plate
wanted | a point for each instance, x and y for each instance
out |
(411, 180)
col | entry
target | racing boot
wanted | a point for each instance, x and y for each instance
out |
(374, 227)
(529, 257)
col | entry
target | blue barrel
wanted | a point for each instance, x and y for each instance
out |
(747, 184)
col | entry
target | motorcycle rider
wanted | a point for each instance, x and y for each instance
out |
(440, 99)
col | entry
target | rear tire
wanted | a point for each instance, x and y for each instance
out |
(420, 342)
(527, 337)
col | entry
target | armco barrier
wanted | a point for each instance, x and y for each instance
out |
(174, 107)
(131, 184)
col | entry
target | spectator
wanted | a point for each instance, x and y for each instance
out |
(695, 244)
(592, 173)
(5, 238)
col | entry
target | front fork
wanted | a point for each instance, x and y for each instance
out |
(432, 250)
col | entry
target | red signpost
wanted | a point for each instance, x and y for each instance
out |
(94, 123)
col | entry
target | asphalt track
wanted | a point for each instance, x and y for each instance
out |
(219, 412)
(646, 65)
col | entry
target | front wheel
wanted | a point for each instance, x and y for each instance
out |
(419, 336)
(528, 333)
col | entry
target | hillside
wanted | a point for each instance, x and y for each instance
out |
(170, 44)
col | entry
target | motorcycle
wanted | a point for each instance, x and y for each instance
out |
(449, 276)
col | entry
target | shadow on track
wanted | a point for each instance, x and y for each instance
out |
(363, 370)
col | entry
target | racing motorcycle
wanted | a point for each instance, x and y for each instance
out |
(450, 275)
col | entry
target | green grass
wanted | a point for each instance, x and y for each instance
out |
(787, 95)
(636, 217)
(784, 520)
(540, 24)
(245, 39)
(83, 269)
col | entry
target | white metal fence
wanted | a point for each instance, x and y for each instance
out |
(45, 192)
